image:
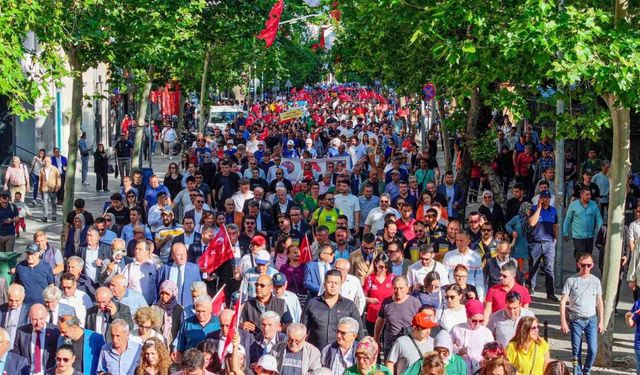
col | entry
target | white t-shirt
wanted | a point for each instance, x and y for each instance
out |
(348, 205)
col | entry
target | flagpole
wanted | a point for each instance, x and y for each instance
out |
(300, 18)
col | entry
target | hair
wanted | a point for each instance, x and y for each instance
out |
(120, 323)
(70, 320)
(354, 326)
(164, 361)
(400, 278)
(270, 315)
(66, 347)
(460, 267)
(202, 300)
(489, 366)
(494, 348)
(556, 368)
(521, 337)
(192, 360)
(77, 260)
(453, 287)
(333, 272)
(432, 363)
(147, 314)
(431, 277)
(296, 327)
(52, 293)
(199, 286)
(208, 347)
(509, 267)
(78, 203)
(583, 255)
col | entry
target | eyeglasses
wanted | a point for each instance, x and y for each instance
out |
(473, 221)
(477, 321)
(198, 201)
(367, 247)
(460, 275)
(342, 333)
(486, 197)
(487, 230)
(145, 327)
(586, 265)
(384, 201)
(393, 251)
(261, 285)
(293, 341)
(63, 359)
(534, 328)
(331, 253)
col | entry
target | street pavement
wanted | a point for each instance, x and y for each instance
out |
(545, 310)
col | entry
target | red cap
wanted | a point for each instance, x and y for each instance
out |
(258, 241)
(423, 321)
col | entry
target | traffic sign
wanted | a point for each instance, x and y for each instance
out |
(429, 91)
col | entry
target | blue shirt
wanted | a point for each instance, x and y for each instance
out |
(127, 232)
(3, 361)
(192, 332)
(108, 237)
(543, 231)
(34, 280)
(119, 364)
(151, 195)
(367, 205)
(584, 222)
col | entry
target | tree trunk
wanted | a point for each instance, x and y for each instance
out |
(446, 142)
(204, 106)
(620, 166)
(471, 132)
(136, 157)
(74, 130)
(496, 184)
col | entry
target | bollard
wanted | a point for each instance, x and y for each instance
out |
(546, 331)
(574, 361)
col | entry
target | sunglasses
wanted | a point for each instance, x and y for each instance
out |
(586, 265)
(63, 359)
(534, 328)
(477, 321)
(367, 247)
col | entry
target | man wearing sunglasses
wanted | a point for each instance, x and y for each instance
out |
(581, 311)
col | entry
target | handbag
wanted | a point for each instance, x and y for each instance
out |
(110, 169)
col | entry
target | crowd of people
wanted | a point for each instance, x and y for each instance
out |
(368, 259)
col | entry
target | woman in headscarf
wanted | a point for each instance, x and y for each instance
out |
(516, 227)
(491, 210)
(366, 359)
(77, 236)
(470, 337)
(172, 311)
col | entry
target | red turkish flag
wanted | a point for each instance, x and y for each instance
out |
(305, 251)
(233, 327)
(270, 31)
(218, 251)
(217, 304)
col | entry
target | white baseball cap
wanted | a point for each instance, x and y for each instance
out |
(269, 363)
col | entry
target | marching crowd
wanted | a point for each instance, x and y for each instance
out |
(328, 244)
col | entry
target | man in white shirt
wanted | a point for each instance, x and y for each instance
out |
(375, 219)
(419, 270)
(348, 204)
(142, 273)
(351, 288)
(51, 296)
(470, 259)
(73, 297)
(243, 194)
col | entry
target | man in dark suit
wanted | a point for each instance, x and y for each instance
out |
(258, 197)
(269, 336)
(105, 311)
(299, 224)
(44, 337)
(264, 220)
(282, 203)
(75, 265)
(14, 313)
(181, 272)
(14, 364)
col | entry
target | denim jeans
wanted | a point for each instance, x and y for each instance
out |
(590, 328)
(50, 204)
(85, 168)
(537, 252)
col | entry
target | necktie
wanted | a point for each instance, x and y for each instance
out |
(105, 318)
(37, 354)
(51, 317)
(179, 283)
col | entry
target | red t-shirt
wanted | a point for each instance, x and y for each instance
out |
(375, 289)
(406, 228)
(496, 295)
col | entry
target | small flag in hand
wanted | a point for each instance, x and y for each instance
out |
(305, 251)
(233, 327)
(217, 304)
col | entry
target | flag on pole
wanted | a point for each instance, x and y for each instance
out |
(235, 322)
(217, 304)
(270, 31)
(305, 251)
(217, 252)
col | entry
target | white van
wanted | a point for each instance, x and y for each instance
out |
(221, 115)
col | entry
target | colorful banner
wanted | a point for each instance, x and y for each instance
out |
(294, 167)
(291, 114)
